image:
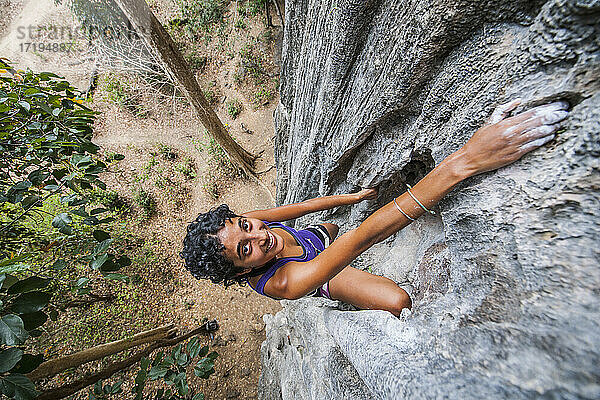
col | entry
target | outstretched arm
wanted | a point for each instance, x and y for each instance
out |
(296, 210)
(491, 147)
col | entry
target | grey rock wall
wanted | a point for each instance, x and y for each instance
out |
(376, 92)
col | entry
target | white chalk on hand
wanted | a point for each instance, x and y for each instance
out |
(537, 143)
(502, 111)
(553, 117)
(541, 131)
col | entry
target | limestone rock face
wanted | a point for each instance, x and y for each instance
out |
(375, 93)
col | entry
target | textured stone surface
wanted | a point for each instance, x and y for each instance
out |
(377, 92)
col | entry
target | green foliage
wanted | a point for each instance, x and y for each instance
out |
(113, 157)
(104, 392)
(109, 199)
(146, 202)
(167, 152)
(251, 7)
(9, 358)
(196, 62)
(45, 139)
(210, 92)
(119, 92)
(12, 330)
(263, 95)
(219, 160)
(253, 69)
(102, 322)
(214, 149)
(251, 65)
(197, 16)
(210, 95)
(163, 176)
(170, 368)
(187, 168)
(234, 108)
(220, 166)
(18, 387)
(49, 174)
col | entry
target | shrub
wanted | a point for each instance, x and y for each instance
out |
(215, 151)
(167, 152)
(196, 62)
(49, 169)
(119, 92)
(146, 202)
(263, 95)
(187, 168)
(251, 7)
(198, 16)
(234, 108)
(251, 65)
(109, 199)
(210, 96)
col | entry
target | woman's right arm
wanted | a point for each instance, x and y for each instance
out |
(297, 210)
(491, 147)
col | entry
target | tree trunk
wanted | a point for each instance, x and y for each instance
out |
(268, 14)
(67, 390)
(279, 12)
(159, 40)
(53, 367)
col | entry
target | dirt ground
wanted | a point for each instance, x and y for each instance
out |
(168, 156)
(238, 309)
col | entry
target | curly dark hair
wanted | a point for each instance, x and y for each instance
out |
(203, 252)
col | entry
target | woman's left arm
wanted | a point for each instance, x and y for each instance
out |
(490, 148)
(296, 210)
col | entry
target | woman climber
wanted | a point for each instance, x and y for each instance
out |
(283, 263)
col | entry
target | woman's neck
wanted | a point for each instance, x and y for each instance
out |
(291, 248)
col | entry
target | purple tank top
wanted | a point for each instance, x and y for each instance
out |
(310, 243)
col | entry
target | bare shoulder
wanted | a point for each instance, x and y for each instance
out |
(279, 284)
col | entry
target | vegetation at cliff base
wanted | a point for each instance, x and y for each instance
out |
(63, 247)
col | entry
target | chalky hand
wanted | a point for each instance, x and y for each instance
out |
(505, 140)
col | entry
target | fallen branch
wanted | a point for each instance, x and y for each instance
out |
(67, 390)
(52, 367)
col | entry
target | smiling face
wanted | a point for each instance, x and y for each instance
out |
(249, 243)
